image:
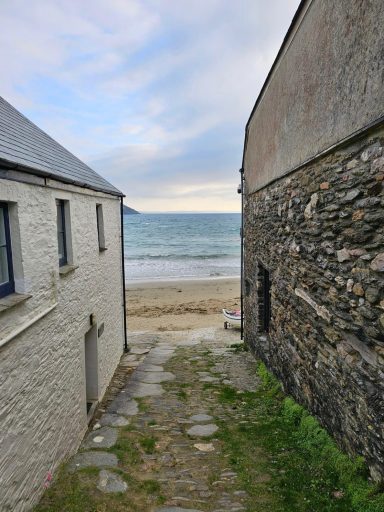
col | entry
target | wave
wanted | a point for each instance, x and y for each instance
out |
(181, 257)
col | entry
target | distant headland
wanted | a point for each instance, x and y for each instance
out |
(129, 211)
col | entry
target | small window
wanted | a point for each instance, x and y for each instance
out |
(7, 282)
(61, 233)
(100, 226)
(263, 298)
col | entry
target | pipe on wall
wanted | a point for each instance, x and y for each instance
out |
(242, 254)
(126, 349)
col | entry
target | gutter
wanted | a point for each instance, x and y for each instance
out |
(6, 164)
(126, 349)
(242, 255)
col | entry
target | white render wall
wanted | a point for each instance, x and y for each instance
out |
(42, 380)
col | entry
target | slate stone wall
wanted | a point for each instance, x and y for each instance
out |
(320, 233)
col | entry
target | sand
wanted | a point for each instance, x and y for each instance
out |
(180, 305)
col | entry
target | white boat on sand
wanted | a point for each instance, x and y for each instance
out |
(232, 318)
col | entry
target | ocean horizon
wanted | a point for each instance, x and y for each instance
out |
(181, 246)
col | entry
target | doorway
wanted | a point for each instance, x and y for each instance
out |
(91, 368)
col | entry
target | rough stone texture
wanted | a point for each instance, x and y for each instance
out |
(326, 338)
(91, 459)
(152, 377)
(111, 482)
(192, 473)
(176, 509)
(202, 430)
(42, 382)
(207, 447)
(141, 389)
(113, 420)
(124, 405)
(104, 437)
(201, 417)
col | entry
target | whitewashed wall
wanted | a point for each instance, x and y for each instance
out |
(42, 383)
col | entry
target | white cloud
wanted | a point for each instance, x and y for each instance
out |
(147, 91)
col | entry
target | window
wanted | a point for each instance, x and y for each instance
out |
(7, 283)
(100, 226)
(61, 233)
(263, 298)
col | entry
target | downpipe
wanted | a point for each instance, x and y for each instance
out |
(126, 349)
(240, 190)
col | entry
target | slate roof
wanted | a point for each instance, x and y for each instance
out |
(24, 145)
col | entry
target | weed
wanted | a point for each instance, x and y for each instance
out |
(228, 394)
(150, 486)
(126, 451)
(182, 394)
(148, 444)
(239, 347)
(143, 406)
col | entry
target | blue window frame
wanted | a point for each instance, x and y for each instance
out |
(61, 234)
(7, 282)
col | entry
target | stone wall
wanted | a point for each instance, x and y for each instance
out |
(320, 233)
(42, 378)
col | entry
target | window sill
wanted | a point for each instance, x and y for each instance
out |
(102, 249)
(67, 269)
(12, 300)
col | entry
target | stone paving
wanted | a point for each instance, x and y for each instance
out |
(164, 394)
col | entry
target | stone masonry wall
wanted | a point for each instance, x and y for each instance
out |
(320, 233)
(42, 377)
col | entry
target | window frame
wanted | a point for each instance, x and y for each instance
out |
(100, 227)
(8, 287)
(263, 298)
(60, 204)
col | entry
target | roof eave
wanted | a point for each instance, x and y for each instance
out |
(7, 164)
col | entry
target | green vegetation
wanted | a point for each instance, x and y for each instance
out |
(125, 449)
(182, 394)
(148, 444)
(151, 486)
(239, 347)
(285, 460)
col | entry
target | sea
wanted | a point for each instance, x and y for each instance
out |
(181, 246)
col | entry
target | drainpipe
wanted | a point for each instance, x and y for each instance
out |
(126, 349)
(241, 191)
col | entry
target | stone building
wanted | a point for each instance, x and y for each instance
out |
(313, 168)
(61, 303)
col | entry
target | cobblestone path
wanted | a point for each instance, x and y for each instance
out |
(154, 443)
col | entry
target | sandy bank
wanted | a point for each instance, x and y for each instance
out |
(180, 305)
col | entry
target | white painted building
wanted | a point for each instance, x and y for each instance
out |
(62, 329)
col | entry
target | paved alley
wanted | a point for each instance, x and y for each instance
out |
(154, 444)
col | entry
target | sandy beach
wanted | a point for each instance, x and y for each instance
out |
(180, 305)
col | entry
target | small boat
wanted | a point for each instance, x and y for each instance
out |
(232, 318)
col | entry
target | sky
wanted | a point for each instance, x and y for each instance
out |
(154, 95)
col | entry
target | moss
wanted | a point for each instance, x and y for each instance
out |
(286, 461)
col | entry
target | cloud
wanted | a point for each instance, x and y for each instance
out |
(154, 94)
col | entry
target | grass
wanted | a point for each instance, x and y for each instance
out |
(282, 457)
(239, 347)
(151, 486)
(148, 444)
(126, 451)
(286, 461)
(183, 395)
(143, 406)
